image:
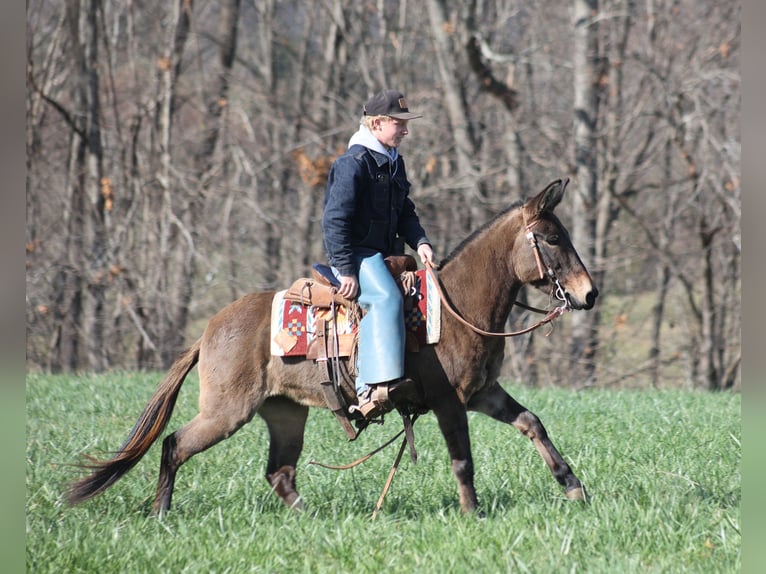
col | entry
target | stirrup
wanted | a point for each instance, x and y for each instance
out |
(375, 400)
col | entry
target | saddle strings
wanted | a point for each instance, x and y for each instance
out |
(335, 359)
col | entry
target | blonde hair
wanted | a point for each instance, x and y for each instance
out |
(368, 121)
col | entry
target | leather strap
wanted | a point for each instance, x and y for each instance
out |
(555, 313)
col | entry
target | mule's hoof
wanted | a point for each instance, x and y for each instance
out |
(297, 505)
(576, 494)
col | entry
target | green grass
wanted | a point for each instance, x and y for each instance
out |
(662, 469)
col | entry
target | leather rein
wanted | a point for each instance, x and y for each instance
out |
(550, 316)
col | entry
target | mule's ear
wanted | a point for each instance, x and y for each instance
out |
(551, 196)
(547, 200)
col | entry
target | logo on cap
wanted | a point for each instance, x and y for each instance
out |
(402, 104)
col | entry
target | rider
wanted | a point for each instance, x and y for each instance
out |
(366, 207)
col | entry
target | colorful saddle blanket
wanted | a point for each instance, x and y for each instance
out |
(294, 326)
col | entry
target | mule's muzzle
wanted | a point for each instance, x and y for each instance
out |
(583, 303)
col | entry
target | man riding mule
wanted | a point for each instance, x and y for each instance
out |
(366, 208)
(239, 377)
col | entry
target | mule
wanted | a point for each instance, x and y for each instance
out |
(240, 378)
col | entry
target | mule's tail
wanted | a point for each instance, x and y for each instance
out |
(150, 425)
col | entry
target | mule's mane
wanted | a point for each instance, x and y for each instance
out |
(455, 252)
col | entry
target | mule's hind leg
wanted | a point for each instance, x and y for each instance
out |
(224, 409)
(286, 421)
(498, 404)
(202, 432)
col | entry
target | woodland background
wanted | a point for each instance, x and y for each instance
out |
(177, 154)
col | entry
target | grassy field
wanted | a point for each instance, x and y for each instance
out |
(662, 469)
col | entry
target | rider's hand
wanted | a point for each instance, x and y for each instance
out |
(348, 286)
(426, 253)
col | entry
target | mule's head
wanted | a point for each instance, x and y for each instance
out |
(544, 255)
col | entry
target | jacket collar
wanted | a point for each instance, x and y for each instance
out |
(364, 137)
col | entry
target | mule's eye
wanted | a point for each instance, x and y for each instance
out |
(552, 239)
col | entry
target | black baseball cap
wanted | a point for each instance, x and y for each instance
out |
(389, 103)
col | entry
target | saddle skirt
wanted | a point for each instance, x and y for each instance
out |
(303, 325)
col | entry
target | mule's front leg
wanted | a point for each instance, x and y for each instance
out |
(453, 423)
(498, 404)
(530, 426)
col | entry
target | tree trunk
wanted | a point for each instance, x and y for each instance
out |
(80, 301)
(170, 227)
(658, 316)
(95, 296)
(457, 113)
(708, 371)
(585, 202)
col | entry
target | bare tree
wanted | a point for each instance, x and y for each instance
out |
(80, 281)
(585, 62)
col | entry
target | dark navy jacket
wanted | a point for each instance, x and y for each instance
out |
(366, 207)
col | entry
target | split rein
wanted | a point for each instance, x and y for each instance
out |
(550, 315)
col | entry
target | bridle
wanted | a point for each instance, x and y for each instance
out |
(550, 315)
(532, 239)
